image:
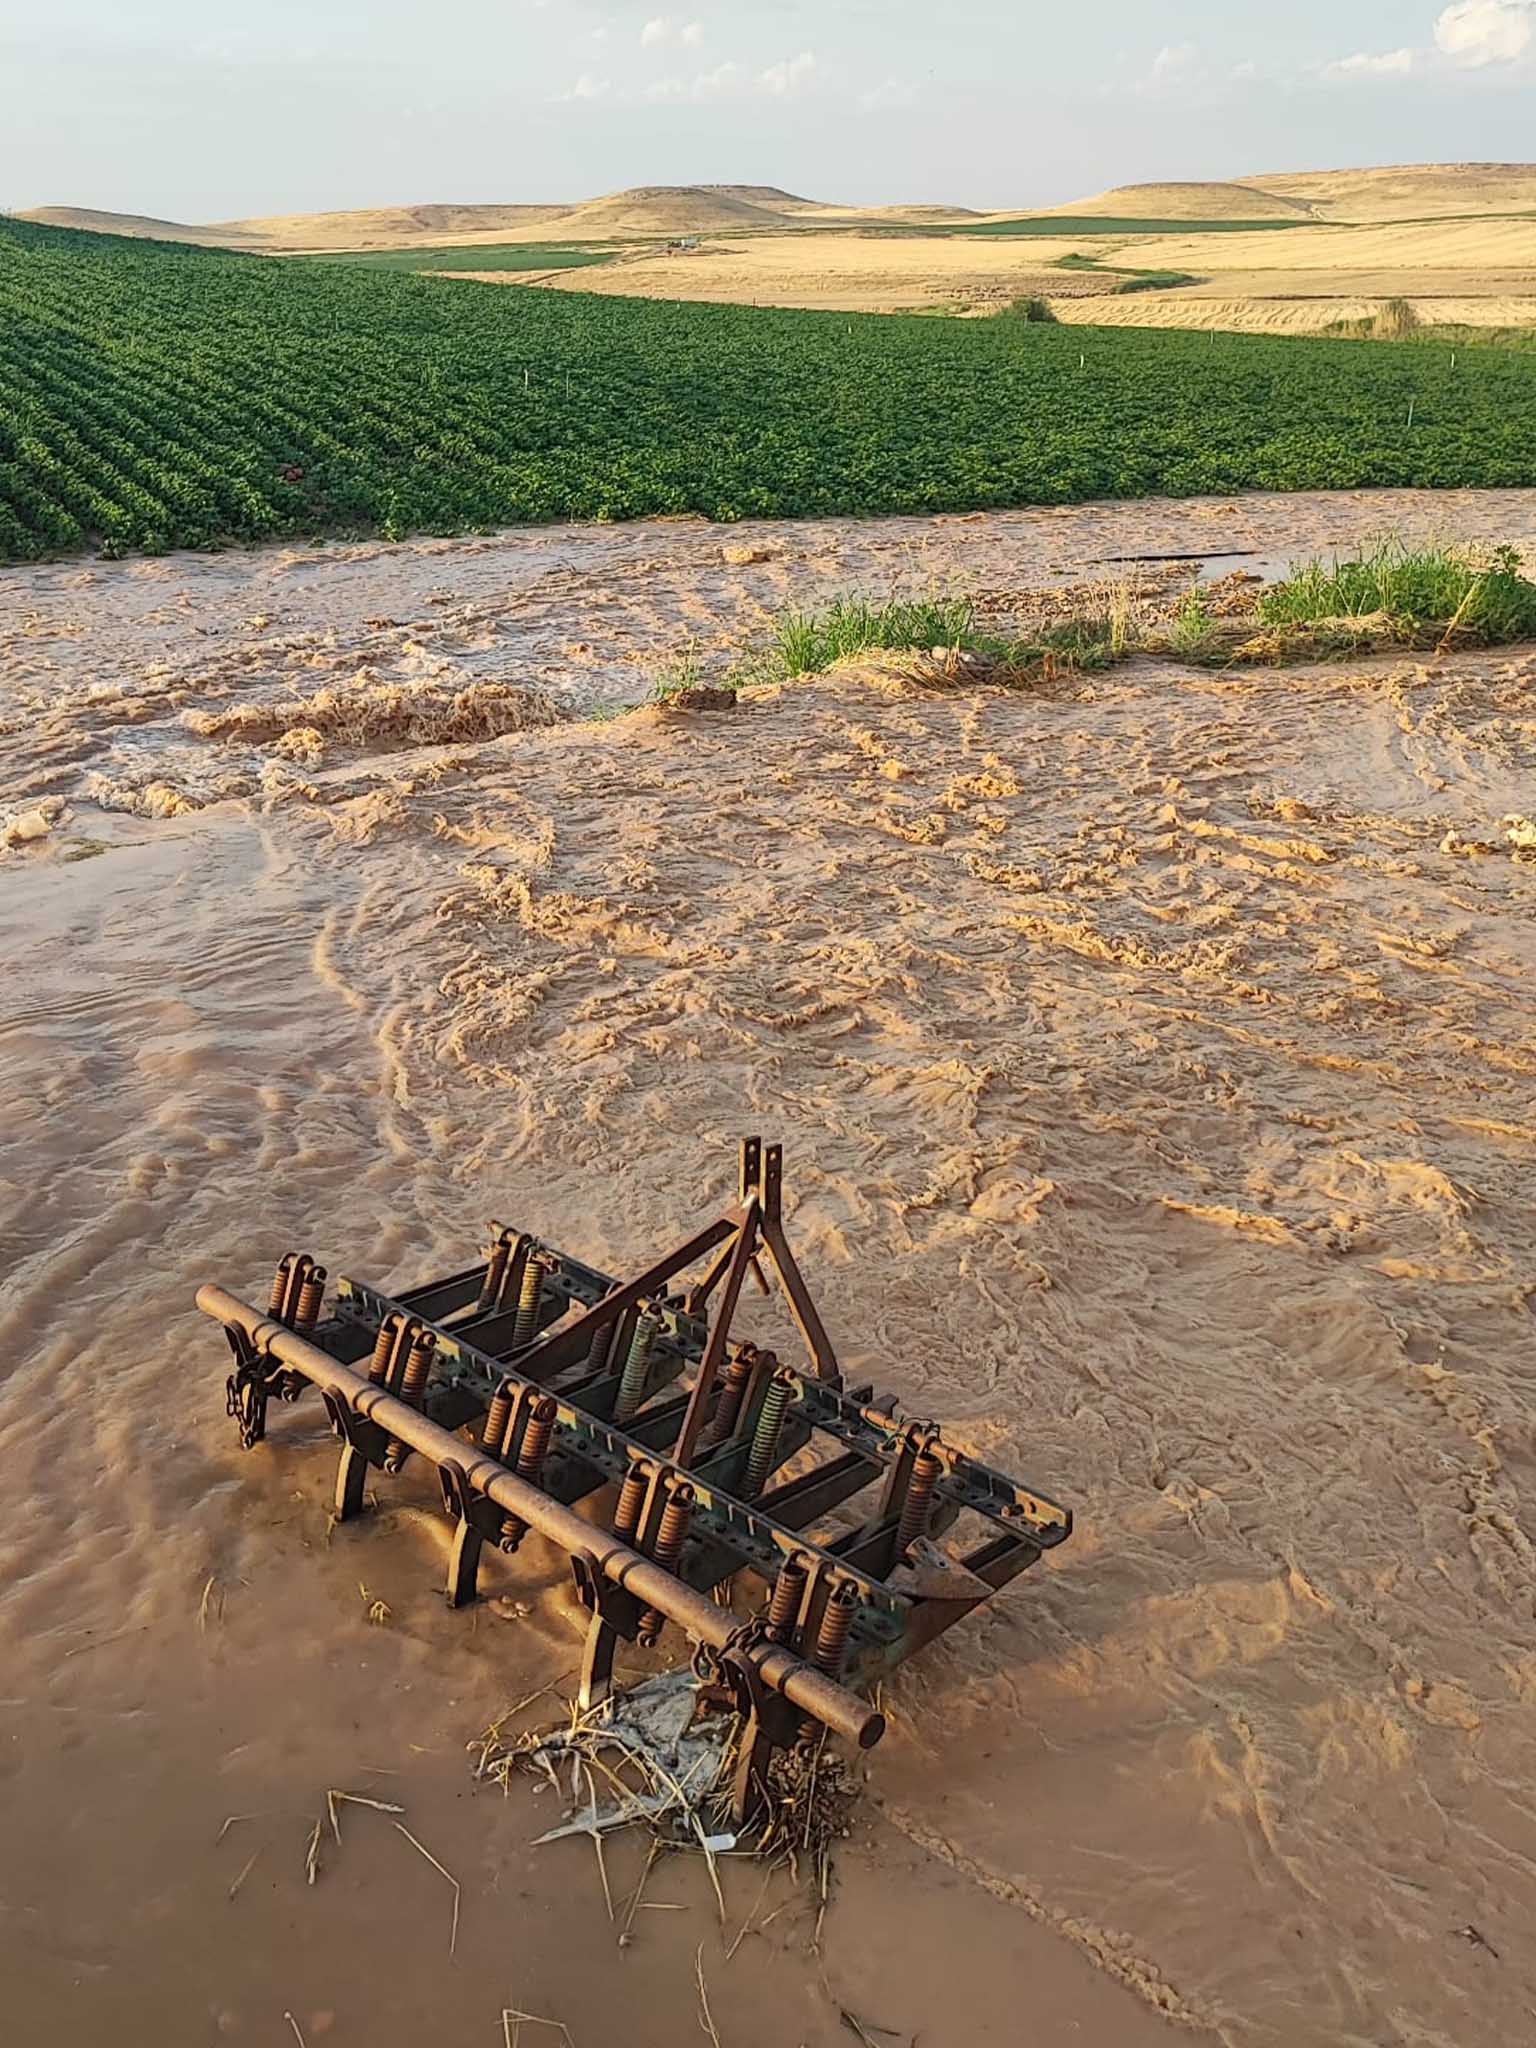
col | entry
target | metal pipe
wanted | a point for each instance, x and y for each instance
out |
(840, 1710)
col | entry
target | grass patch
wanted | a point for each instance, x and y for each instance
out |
(1151, 280)
(1125, 280)
(1421, 594)
(1193, 630)
(509, 256)
(1394, 597)
(809, 643)
(1455, 334)
(1396, 321)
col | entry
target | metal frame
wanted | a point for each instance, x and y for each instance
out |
(635, 1394)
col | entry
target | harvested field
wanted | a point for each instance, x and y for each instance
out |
(1153, 1058)
(1282, 281)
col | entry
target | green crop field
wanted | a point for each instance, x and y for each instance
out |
(1081, 224)
(156, 396)
(470, 256)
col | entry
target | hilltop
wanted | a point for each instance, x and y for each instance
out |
(641, 212)
(1391, 192)
(1191, 200)
(648, 212)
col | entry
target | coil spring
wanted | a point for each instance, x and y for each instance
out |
(918, 1505)
(383, 1351)
(279, 1293)
(728, 1409)
(417, 1369)
(637, 1364)
(311, 1295)
(495, 1274)
(536, 1440)
(413, 1384)
(626, 1516)
(526, 1321)
(537, 1437)
(670, 1538)
(765, 1440)
(493, 1431)
(597, 1350)
(836, 1622)
(784, 1608)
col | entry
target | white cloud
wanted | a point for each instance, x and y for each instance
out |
(663, 30)
(588, 88)
(1471, 35)
(1176, 67)
(886, 97)
(1479, 32)
(1389, 64)
(1241, 73)
(725, 80)
(789, 76)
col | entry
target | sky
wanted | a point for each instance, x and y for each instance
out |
(201, 110)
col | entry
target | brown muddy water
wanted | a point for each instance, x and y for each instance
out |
(1156, 1070)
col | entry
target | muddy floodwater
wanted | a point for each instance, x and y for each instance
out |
(1155, 1062)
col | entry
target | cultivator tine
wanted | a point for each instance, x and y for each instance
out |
(532, 1382)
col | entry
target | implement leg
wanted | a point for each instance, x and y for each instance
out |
(612, 1614)
(464, 1565)
(351, 1478)
(596, 1664)
(352, 1472)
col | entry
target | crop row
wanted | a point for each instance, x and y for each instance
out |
(153, 396)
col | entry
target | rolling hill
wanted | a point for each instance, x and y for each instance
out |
(1406, 191)
(642, 212)
(1371, 197)
(1184, 201)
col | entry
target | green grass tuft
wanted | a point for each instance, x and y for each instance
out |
(1416, 590)
(807, 643)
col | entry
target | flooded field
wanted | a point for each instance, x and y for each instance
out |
(1154, 1064)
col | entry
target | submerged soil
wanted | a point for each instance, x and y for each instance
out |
(1154, 1062)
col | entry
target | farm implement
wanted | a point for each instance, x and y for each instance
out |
(533, 1382)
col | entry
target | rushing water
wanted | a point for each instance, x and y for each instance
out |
(1157, 1094)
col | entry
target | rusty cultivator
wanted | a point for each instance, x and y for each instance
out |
(532, 1382)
